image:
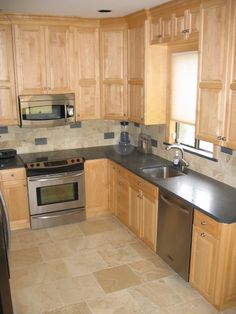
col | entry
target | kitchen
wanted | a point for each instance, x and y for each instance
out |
(98, 72)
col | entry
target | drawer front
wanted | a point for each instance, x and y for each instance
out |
(207, 224)
(13, 174)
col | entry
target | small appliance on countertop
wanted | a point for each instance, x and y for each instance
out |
(144, 143)
(9, 159)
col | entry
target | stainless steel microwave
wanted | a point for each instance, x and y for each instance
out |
(47, 110)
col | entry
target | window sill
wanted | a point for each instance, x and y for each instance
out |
(197, 152)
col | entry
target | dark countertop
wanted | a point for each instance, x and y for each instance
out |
(11, 163)
(212, 197)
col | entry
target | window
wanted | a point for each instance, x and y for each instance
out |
(184, 69)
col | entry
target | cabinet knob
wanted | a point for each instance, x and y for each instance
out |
(223, 138)
(219, 138)
(12, 175)
(203, 223)
(203, 235)
(185, 31)
(159, 36)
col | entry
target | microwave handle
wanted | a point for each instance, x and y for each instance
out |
(65, 108)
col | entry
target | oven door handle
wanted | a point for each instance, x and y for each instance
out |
(53, 178)
(71, 212)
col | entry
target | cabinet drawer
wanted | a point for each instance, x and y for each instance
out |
(207, 224)
(13, 174)
(143, 185)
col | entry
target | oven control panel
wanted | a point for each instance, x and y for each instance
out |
(55, 163)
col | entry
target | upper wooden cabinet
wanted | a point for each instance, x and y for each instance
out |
(113, 48)
(146, 74)
(44, 59)
(8, 112)
(216, 96)
(175, 22)
(87, 73)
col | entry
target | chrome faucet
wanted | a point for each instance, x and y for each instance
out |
(184, 164)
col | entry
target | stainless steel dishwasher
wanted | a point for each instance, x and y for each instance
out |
(174, 233)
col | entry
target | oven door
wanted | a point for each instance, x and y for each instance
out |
(56, 192)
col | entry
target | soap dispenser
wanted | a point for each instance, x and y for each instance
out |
(176, 160)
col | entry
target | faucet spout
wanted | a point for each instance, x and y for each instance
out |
(183, 162)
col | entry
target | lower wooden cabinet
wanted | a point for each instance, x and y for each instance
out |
(15, 192)
(213, 260)
(122, 194)
(135, 207)
(96, 187)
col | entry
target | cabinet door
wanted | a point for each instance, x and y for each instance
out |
(113, 188)
(122, 199)
(149, 220)
(8, 112)
(30, 59)
(179, 20)
(134, 209)
(59, 58)
(203, 262)
(230, 130)
(114, 73)
(16, 197)
(96, 187)
(212, 70)
(87, 73)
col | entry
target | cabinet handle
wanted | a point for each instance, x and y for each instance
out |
(223, 138)
(219, 138)
(185, 31)
(159, 36)
(203, 235)
(203, 223)
(12, 175)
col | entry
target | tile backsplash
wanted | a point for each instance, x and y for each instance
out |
(84, 134)
(223, 170)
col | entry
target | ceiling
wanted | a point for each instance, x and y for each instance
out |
(83, 8)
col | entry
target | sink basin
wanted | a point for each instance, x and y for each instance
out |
(162, 172)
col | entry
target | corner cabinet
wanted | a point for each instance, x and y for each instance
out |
(44, 59)
(8, 111)
(213, 261)
(87, 79)
(146, 74)
(113, 53)
(217, 73)
(14, 188)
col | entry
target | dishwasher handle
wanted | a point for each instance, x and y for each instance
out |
(169, 203)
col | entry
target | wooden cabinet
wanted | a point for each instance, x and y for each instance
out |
(96, 187)
(113, 48)
(15, 192)
(213, 72)
(213, 260)
(87, 73)
(143, 204)
(44, 59)
(122, 195)
(112, 175)
(8, 112)
(175, 22)
(146, 74)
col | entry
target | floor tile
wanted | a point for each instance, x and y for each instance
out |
(143, 250)
(119, 303)
(117, 278)
(25, 257)
(80, 308)
(64, 232)
(94, 227)
(77, 289)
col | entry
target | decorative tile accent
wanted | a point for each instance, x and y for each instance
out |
(76, 125)
(154, 142)
(3, 129)
(41, 141)
(109, 135)
(136, 125)
(226, 150)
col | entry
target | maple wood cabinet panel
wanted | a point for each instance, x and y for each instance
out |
(113, 187)
(146, 75)
(113, 48)
(87, 73)
(213, 260)
(96, 187)
(15, 192)
(8, 111)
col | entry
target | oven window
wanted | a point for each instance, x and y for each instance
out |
(60, 193)
(44, 112)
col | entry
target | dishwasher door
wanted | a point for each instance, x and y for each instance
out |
(174, 233)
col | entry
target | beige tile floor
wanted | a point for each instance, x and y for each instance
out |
(97, 266)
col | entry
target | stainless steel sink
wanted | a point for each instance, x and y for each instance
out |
(161, 172)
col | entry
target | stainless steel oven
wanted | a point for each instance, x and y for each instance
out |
(56, 192)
